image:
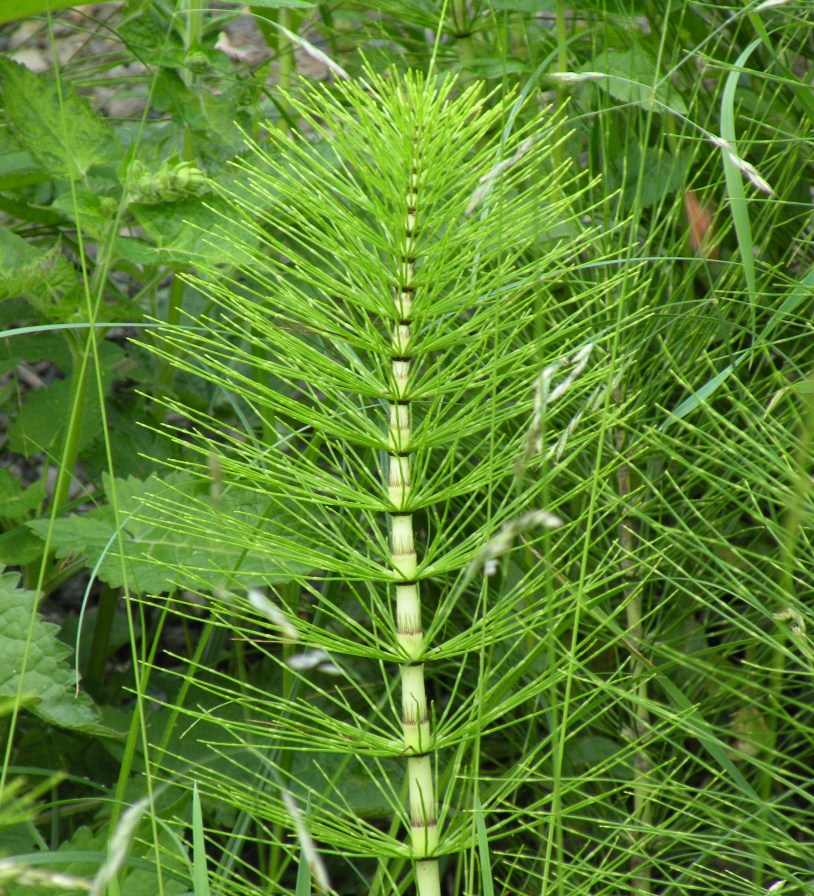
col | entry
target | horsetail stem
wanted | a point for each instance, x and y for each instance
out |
(376, 290)
(416, 732)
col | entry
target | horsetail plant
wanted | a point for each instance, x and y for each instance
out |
(378, 328)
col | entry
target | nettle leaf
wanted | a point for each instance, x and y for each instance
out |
(634, 77)
(15, 500)
(79, 859)
(23, 9)
(150, 41)
(626, 8)
(19, 546)
(25, 268)
(91, 212)
(49, 681)
(183, 231)
(212, 119)
(42, 420)
(21, 347)
(145, 547)
(314, 772)
(663, 173)
(62, 133)
(17, 168)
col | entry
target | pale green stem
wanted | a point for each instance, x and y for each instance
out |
(417, 736)
(94, 677)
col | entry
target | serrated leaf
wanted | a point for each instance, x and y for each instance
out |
(48, 680)
(150, 42)
(79, 859)
(24, 267)
(23, 9)
(17, 168)
(596, 751)
(16, 501)
(633, 77)
(61, 132)
(214, 120)
(91, 212)
(49, 345)
(662, 173)
(606, 7)
(364, 796)
(19, 546)
(154, 556)
(43, 418)
(182, 231)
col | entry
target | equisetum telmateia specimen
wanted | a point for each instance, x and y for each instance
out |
(375, 317)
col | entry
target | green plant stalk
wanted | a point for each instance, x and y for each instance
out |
(100, 644)
(407, 310)
(286, 50)
(191, 28)
(268, 431)
(416, 731)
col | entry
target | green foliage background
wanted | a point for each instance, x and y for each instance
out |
(626, 705)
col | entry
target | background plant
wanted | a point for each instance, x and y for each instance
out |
(667, 738)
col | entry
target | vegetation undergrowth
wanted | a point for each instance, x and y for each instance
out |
(409, 431)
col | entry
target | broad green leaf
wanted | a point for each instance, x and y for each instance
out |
(17, 168)
(45, 344)
(596, 752)
(184, 232)
(44, 416)
(526, 5)
(152, 42)
(633, 77)
(623, 7)
(41, 421)
(90, 212)
(158, 556)
(658, 174)
(48, 686)
(214, 121)
(80, 858)
(19, 546)
(15, 500)
(22, 9)
(62, 133)
(495, 67)
(361, 793)
(25, 267)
